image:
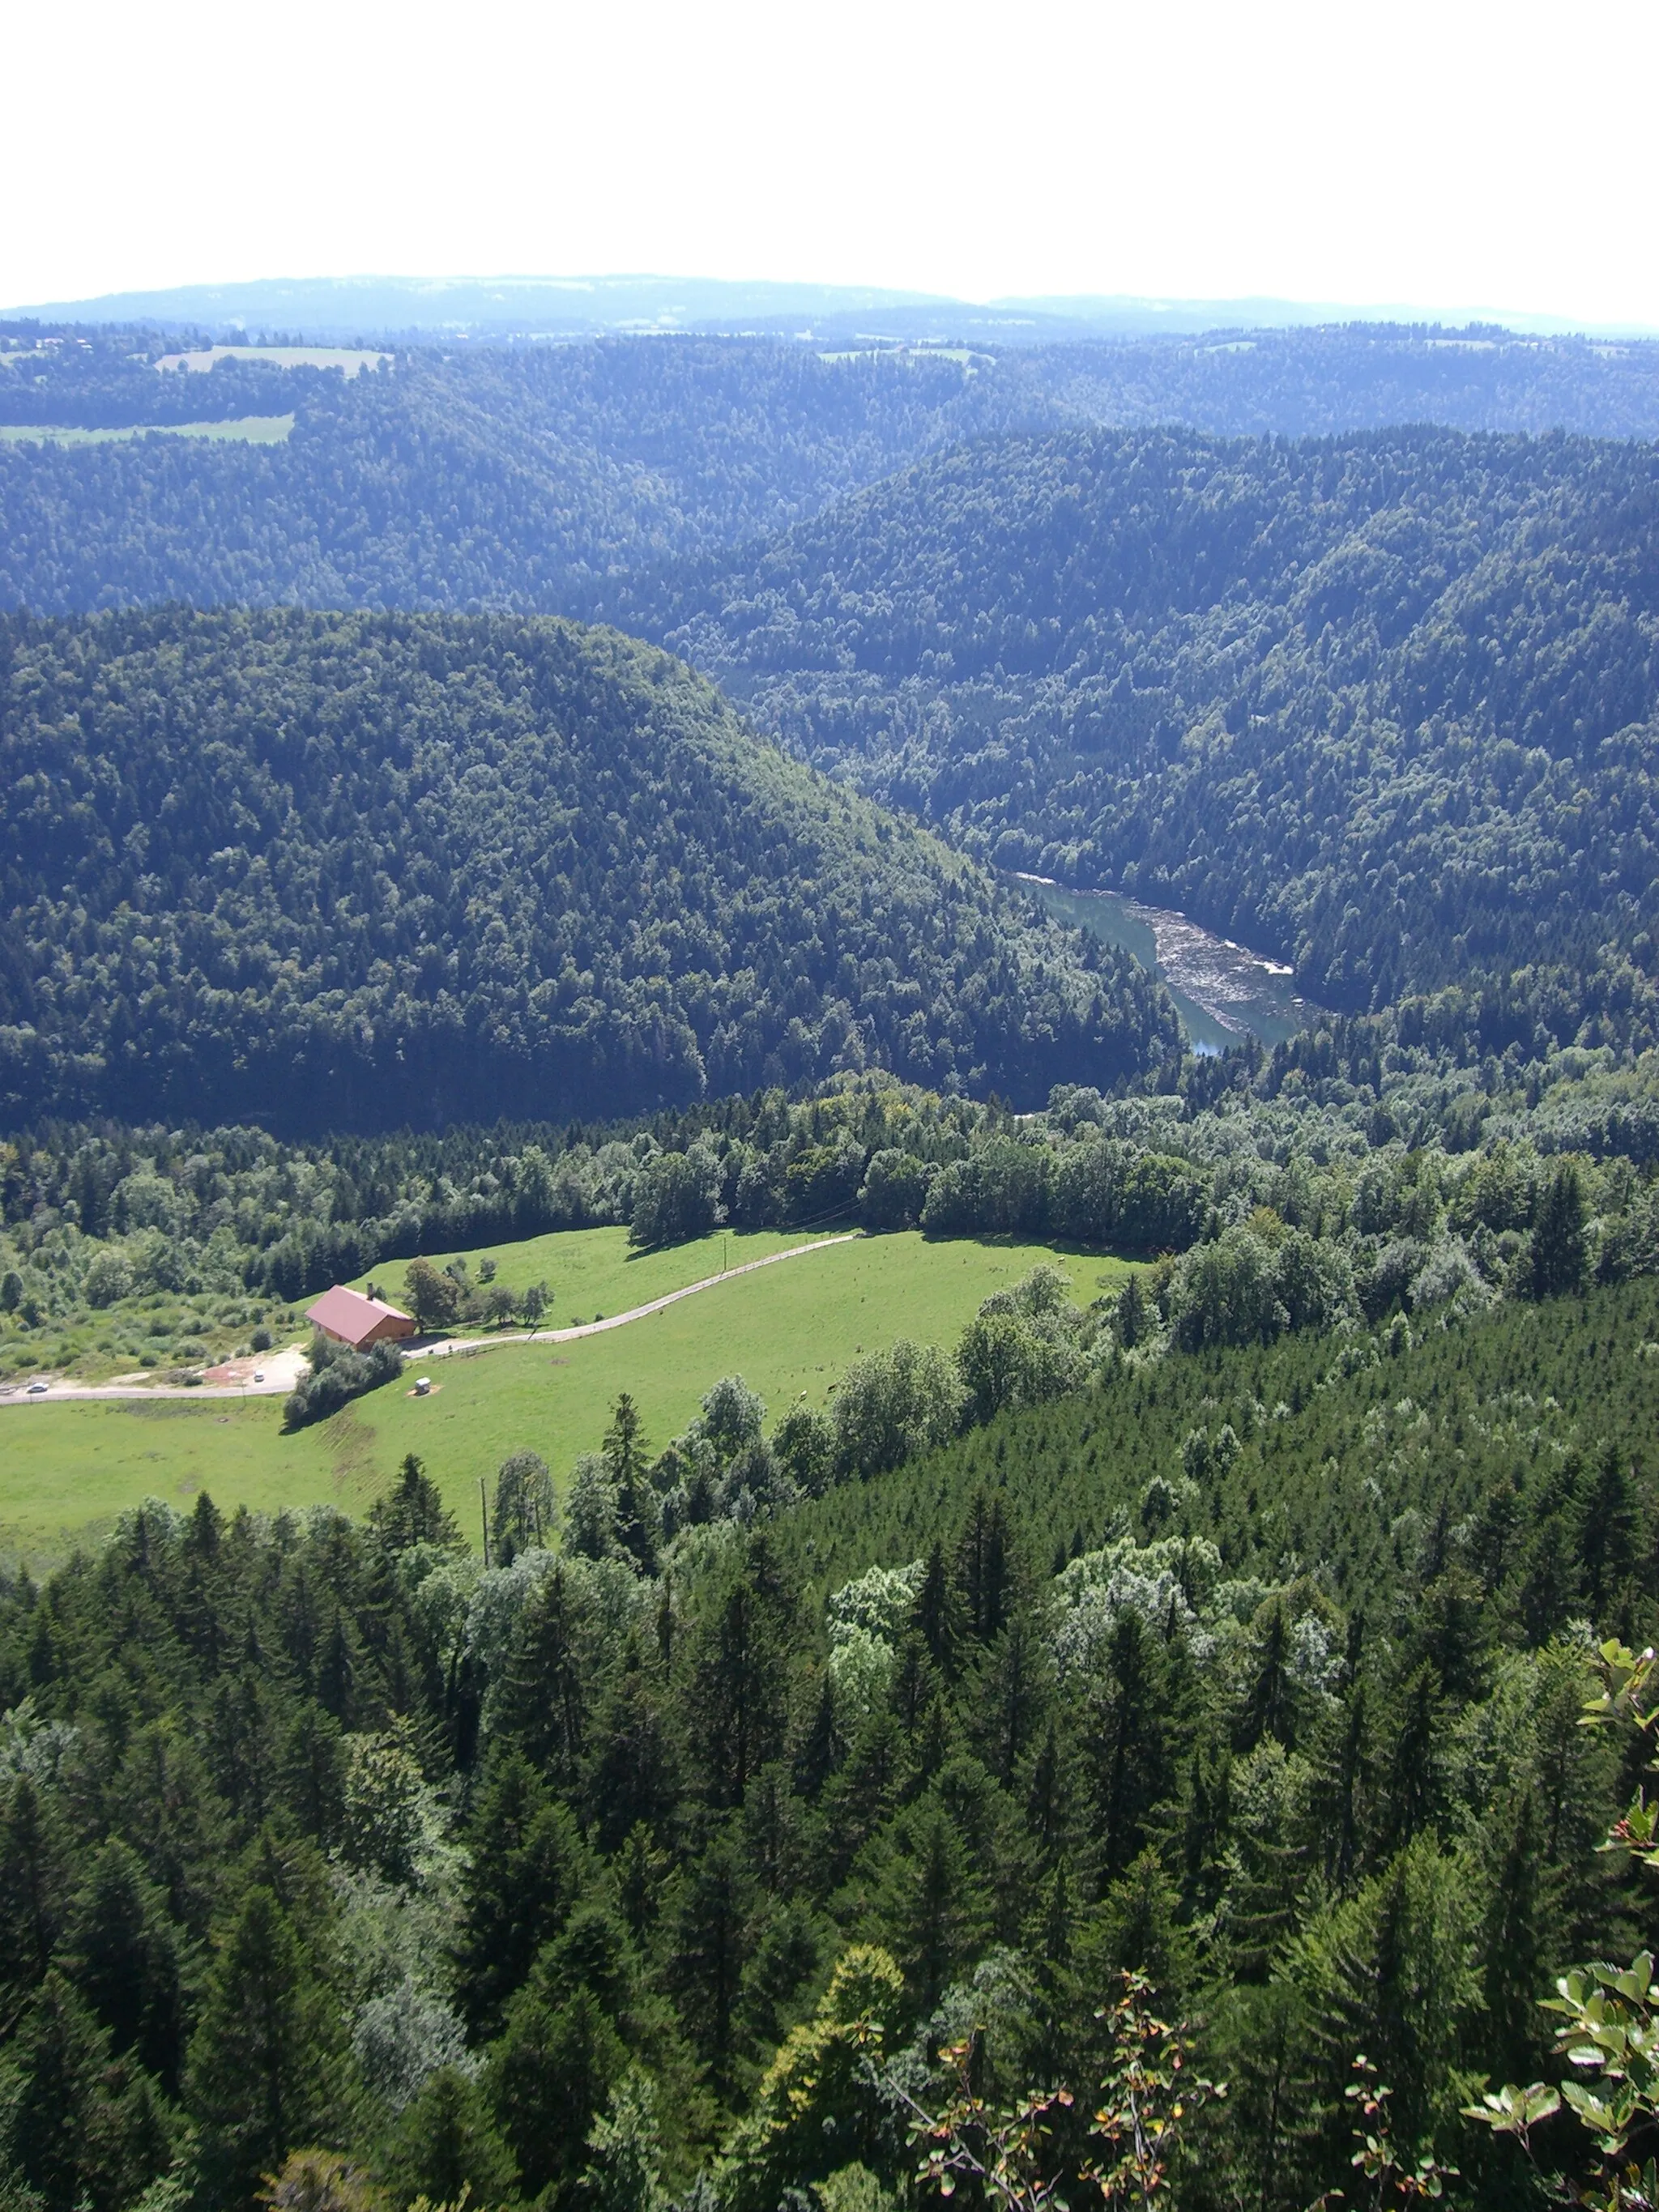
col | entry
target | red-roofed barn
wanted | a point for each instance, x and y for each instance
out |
(350, 1318)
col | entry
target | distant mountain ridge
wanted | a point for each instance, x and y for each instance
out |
(532, 306)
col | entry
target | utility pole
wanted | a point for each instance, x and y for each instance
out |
(483, 1515)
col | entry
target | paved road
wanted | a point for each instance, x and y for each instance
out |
(282, 1369)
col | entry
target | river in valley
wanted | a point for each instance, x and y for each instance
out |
(1222, 990)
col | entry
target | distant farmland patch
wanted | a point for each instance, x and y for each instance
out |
(67, 1469)
(245, 429)
(352, 359)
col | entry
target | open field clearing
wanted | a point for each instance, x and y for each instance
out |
(594, 1273)
(245, 429)
(593, 1270)
(352, 359)
(67, 1470)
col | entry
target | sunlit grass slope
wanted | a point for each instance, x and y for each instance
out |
(66, 1470)
(591, 1272)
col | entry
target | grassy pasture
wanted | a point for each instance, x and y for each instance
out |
(591, 1272)
(244, 429)
(351, 359)
(67, 1469)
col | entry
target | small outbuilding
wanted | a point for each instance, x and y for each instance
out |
(350, 1318)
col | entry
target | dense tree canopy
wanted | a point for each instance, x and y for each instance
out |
(515, 479)
(1382, 705)
(347, 871)
(529, 477)
(1256, 1670)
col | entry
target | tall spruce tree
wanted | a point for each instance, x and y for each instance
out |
(264, 2070)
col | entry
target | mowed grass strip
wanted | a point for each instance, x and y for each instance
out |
(67, 1470)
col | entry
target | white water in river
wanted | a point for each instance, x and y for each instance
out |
(1222, 990)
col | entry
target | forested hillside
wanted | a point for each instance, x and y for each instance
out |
(355, 872)
(1382, 705)
(504, 479)
(578, 1875)
(1211, 1651)
(528, 477)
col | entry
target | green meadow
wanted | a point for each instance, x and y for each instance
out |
(67, 1469)
(352, 359)
(243, 429)
(591, 1272)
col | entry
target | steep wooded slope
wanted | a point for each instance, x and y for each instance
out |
(1382, 705)
(531, 477)
(353, 870)
(502, 479)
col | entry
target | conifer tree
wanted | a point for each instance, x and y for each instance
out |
(1558, 1233)
(1413, 1783)
(1268, 1709)
(1517, 1948)
(413, 1511)
(736, 1704)
(937, 1616)
(1611, 1521)
(446, 2147)
(523, 1513)
(528, 1868)
(815, 1752)
(708, 1949)
(542, 1705)
(1129, 1316)
(84, 2132)
(311, 1772)
(122, 1950)
(1129, 1746)
(626, 1454)
(337, 1671)
(1016, 1687)
(931, 1903)
(264, 2059)
(983, 1568)
(633, 1777)
(34, 1885)
(548, 2079)
(1392, 1973)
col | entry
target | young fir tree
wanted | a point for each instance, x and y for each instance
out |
(737, 1710)
(122, 1951)
(85, 2132)
(549, 2076)
(34, 1879)
(265, 2061)
(1558, 1234)
(707, 1950)
(930, 1901)
(446, 2147)
(413, 1512)
(1129, 1744)
(626, 1457)
(530, 1868)
(542, 1705)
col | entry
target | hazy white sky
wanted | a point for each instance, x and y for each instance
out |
(1445, 153)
